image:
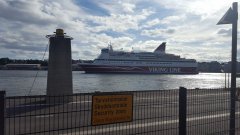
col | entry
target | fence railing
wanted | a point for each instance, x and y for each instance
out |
(173, 112)
(2, 112)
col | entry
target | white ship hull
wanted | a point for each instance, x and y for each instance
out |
(91, 68)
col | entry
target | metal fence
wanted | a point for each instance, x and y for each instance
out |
(166, 112)
(208, 112)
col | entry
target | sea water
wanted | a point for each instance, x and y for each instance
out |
(19, 82)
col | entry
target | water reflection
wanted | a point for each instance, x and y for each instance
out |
(19, 82)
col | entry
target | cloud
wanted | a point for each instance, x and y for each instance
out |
(117, 7)
(225, 32)
(151, 23)
(158, 32)
(169, 20)
(188, 27)
(119, 22)
(38, 12)
(128, 7)
(91, 7)
(148, 45)
(25, 23)
(199, 7)
(26, 48)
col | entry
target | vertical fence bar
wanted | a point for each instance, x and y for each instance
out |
(2, 112)
(182, 111)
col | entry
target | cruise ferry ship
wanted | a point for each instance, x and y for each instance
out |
(156, 62)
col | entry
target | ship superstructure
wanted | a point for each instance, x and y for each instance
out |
(158, 61)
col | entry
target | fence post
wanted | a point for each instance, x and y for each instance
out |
(182, 111)
(2, 112)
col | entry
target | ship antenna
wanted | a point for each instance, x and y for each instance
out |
(110, 46)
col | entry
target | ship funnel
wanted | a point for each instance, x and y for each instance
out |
(161, 48)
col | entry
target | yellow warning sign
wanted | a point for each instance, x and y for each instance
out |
(107, 109)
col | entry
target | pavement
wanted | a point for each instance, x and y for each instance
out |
(154, 112)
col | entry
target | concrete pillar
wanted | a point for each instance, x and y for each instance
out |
(59, 80)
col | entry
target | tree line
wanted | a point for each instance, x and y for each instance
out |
(4, 61)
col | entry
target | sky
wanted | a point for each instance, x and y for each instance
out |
(188, 26)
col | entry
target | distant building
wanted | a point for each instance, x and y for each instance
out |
(213, 66)
(203, 67)
(23, 66)
(76, 67)
(227, 67)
